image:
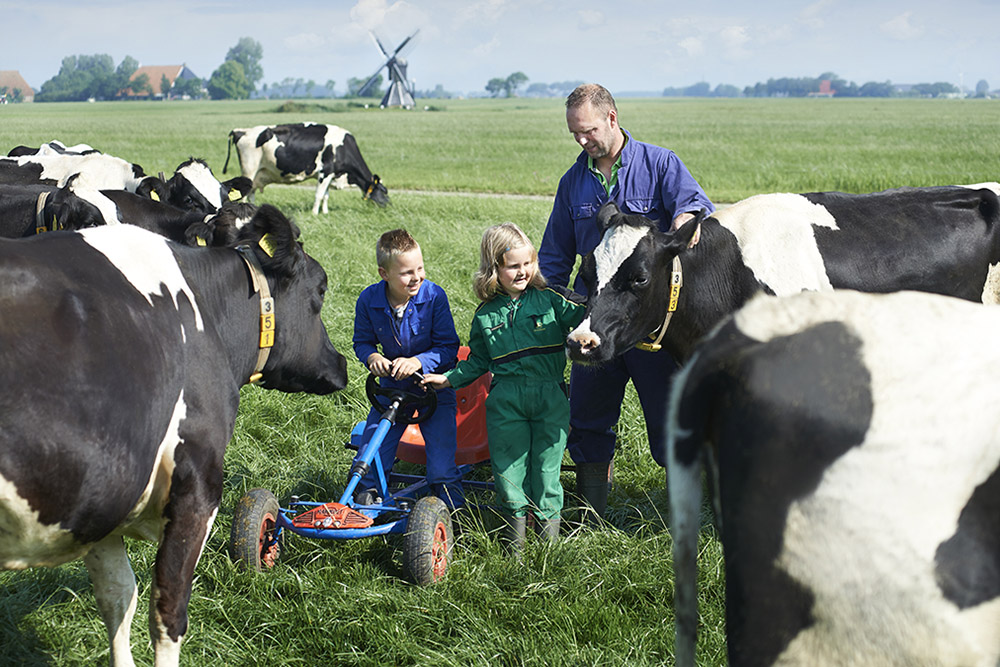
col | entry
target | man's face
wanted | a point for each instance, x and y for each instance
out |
(596, 132)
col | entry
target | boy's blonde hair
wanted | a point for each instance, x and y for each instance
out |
(392, 244)
(497, 240)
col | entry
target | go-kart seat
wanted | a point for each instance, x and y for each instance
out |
(470, 419)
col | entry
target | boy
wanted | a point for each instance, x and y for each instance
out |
(410, 319)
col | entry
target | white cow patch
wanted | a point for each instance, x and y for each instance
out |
(200, 176)
(96, 171)
(776, 240)
(617, 246)
(108, 209)
(145, 260)
(991, 185)
(864, 542)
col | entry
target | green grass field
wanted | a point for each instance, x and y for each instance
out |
(597, 598)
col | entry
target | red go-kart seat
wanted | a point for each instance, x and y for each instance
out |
(470, 419)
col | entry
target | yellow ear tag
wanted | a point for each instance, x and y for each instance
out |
(266, 244)
(55, 223)
(234, 195)
(153, 195)
(202, 242)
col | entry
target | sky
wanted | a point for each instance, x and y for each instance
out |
(626, 45)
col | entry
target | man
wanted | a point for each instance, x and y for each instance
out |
(640, 178)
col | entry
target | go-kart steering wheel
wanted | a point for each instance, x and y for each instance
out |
(414, 407)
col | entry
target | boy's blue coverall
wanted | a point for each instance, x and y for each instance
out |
(427, 332)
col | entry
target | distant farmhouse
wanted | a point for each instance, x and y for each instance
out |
(156, 74)
(11, 82)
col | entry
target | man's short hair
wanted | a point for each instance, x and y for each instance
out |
(392, 244)
(595, 93)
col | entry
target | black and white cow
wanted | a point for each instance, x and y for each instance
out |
(95, 171)
(193, 187)
(54, 147)
(944, 240)
(293, 153)
(26, 210)
(853, 448)
(121, 360)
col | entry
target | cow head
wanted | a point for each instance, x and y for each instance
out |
(302, 358)
(628, 281)
(193, 187)
(377, 192)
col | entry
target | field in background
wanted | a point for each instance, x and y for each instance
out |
(599, 598)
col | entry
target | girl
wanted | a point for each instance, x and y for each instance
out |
(518, 332)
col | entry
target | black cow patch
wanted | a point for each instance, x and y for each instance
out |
(787, 419)
(968, 570)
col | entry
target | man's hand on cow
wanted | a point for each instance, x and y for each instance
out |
(679, 222)
(404, 367)
(379, 365)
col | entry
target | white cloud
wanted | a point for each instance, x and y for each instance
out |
(811, 16)
(304, 42)
(692, 46)
(734, 39)
(482, 50)
(590, 18)
(901, 27)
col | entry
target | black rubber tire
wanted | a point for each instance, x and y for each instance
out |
(250, 539)
(429, 540)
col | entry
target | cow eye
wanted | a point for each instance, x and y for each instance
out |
(640, 280)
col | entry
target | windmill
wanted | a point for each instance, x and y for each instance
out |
(400, 92)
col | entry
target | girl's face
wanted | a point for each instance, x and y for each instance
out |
(516, 270)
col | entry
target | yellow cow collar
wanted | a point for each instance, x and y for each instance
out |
(676, 281)
(266, 310)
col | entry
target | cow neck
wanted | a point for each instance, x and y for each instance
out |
(260, 286)
(676, 282)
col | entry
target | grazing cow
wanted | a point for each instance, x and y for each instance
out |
(193, 187)
(26, 210)
(944, 240)
(294, 153)
(852, 444)
(121, 360)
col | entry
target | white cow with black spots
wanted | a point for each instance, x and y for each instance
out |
(852, 443)
(121, 361)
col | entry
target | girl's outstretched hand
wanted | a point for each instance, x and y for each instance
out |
(434, 381)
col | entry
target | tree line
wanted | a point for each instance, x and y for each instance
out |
(838, 87)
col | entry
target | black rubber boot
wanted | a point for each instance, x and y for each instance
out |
(515, 529)
(592, 488)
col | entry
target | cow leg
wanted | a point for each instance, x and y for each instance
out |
(189, 518)
(115, 591)
(323, 193)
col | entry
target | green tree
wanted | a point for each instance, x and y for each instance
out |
(329, 86)
(248, 52)
(229, 82)
(374, 90)
(191, 87)
(165, 86)
(88, 76)
(982, 88)
(495, 86)
(513, 82)
(141, 85)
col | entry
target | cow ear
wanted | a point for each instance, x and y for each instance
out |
(606, 214)
(153, 188)
(273, 237)
(680, 238)
(238, 187)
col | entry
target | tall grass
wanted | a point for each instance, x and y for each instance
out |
(598, 598)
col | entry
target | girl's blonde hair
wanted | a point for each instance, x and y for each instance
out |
(497, 240)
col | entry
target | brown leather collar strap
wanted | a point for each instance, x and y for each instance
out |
(676, 282)
(261, 287)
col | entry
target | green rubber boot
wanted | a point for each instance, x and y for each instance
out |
(515, 529)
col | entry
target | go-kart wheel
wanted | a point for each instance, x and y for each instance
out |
(428, 541)
(252, 543)
(422, 404)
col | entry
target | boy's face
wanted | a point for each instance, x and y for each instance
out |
(404, 275)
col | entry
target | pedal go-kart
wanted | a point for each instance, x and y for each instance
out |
(403, 504)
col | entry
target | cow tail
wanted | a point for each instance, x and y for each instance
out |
(229, 150)
(684, 467)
